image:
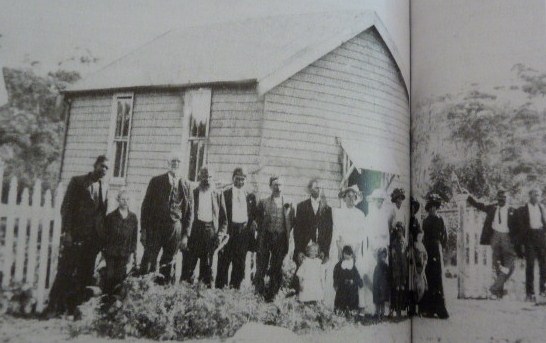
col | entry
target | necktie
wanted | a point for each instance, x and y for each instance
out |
(500, 221)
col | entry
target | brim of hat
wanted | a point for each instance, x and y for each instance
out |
(432, 203)
(343, 192)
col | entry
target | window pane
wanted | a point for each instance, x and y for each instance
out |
(118, 158)
(200, 114)
(192, 172)
(123, 158)
(201, 158)
(126, 117)
(119, 118)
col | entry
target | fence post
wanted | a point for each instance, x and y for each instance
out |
(35, 218)
(460, 200)
(44, 249)
(56, 238)
(11, 210)
(21, 236)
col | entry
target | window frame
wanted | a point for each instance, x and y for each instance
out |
(112, 140)
(188, 139)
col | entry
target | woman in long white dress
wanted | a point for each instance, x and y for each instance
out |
(348, 230)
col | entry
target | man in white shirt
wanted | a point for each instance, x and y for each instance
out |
(208, 227)
(240, 212)
(499, 231)
(532, 223)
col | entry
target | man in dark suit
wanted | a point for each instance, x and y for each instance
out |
(532, 224)
(275, 217)
(82, 213)
(313, 224)
(240, 211)
(207, 229)
(165, 217)
(499, 231)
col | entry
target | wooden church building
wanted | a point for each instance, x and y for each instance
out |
(318, 95)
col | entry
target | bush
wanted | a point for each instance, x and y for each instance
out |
(185, 311)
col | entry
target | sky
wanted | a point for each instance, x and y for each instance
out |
(52, 31)
(457, 43)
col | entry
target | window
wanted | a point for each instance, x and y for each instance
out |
(198, 112)
(120, 134)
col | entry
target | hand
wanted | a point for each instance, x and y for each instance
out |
(184, 243)
(300, 257)
(325, 259)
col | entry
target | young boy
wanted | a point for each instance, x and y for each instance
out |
(381, 283)
(119, 242)
(311, 276)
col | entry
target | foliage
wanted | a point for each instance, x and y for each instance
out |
(31, 125)
(19, 300)
(486, 143)
(185, 311)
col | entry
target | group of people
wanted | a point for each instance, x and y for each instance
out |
(345, 258)
(515, 232)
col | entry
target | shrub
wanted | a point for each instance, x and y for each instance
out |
(185, 311)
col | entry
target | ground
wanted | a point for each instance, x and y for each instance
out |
(470, 321)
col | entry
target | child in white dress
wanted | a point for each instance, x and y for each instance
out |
(311, 276)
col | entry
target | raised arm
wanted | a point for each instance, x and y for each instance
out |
(478, 205)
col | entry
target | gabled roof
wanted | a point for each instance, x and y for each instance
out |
(265, 51)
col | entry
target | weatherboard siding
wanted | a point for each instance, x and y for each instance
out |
(235, 132)
(356, 92)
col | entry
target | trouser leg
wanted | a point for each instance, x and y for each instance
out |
(224, 260)
(541, 255)
(64, 280)
(262, 262)
(277, 258)
(238, 252)
(189, 261)
(171, 245)
(530, 256)
(116, 271)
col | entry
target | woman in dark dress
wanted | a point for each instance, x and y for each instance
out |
(433, 302)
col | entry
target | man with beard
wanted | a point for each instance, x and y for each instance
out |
(82, 213)
(165, 216)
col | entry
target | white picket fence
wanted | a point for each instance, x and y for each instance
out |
(31, 231)
(474, 261)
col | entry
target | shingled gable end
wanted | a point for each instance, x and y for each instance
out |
(295, 95)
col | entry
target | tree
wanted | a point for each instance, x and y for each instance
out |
(31, 125)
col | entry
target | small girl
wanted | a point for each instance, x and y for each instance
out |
(310, 276)
(347, 281)
(419, 262)
(119, 241)
(381, 283)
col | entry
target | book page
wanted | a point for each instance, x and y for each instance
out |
(478, 168)
(205, 170)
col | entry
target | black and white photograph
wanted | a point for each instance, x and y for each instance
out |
(478, 163)
(207, 171)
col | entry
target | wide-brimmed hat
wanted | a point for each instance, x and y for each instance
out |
(433, 200)
(377, 194)
(344, 190)
(398, 193)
